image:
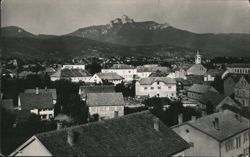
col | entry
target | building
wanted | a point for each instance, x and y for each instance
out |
(37, 103)
(105, 105)
(100, 78)
(197, 68)
(212, 73)
(196, 91)
(74, 75)
(127, 72)
(217, 100)
(178, 73)
(220, 134)
(229, 83)
(242, 91)
(45, 90)
(147, 70)
(84, 90)
(74, 66)
(138, 134)
(156, 86)
(238, 68)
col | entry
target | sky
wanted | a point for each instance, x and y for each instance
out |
(65, 16)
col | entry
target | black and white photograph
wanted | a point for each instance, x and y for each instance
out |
(125, 78)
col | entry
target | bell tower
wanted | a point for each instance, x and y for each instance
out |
(198, 58)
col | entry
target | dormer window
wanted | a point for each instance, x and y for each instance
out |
(158, 82)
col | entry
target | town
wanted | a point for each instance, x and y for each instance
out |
(178, 106)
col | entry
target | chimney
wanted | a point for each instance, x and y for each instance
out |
(180, 118)
(156, 124)
(216, 123)
(72, 137)
(203, 113)
(37, 90)
(59, 125)
(193, 118)
(116, 114)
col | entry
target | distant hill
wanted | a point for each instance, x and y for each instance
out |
(123, 36)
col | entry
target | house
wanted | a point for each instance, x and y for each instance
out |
(105, 105)
(83, 90)
(242, 91)
(196, 91)
(45, 90)
(75, 75)
(197, 68)
(148, 70)
(127, 72)
(212, 73)
(37, 103)
(138, 134)
(108, 77)
(74, 66)
(217, 100)
(220, 134)
(229, 83)
(156, 86)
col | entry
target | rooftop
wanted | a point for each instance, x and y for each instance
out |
(74, 73)
(109, 76)
(130, 135)
(7, 104)
(53, 91)
(105, 99)
(151, 80)
(122, 66)
(201, 88)
(213, 97)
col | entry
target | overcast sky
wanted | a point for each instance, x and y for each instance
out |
(65, 16)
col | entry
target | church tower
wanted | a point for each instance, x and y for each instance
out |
(198, 58)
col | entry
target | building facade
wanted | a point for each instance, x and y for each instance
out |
(156, 87)
(242, 91)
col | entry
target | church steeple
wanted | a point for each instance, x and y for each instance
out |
(198, 58)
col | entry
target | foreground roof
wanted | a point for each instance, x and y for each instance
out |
(151, 80)
(213, 97)
(53, 91)
(229, 125)
(36, 101)
(130, 135)
(105, 99)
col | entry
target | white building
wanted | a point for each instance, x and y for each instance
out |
(108, 77)
(105, 105)
(238, 68)
(74, 66)
(37, 103)
(74, 75)
(220, 134)
(128, 72)
(156, 86)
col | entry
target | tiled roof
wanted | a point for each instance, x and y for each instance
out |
(74, 73)
(7, 104)
(151, 80)
(36, 101)
(83, 90)
(152, 69)
(213, 97)
(235, 77)
(195, 68)
(122, 66)
(215, 72)
(130, 135)
(105, 99)
(201, 88)
(229, 125)
(195, 78)
(109, 76)
(53, 91)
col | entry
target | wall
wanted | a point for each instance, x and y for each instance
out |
(235, 151)
(143, 74)
(74, 67)
(164, 90)
(194, 96)
(127, 74)
(238, 70)
(229, 85)
(106, 111)
(203, 145)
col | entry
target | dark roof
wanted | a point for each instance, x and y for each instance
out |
(228, 125)
(109, 76)
(195, 78)
(53, 91)
(151, 80)
(153, 69)
(21, 115)
(213, 97)
(83, 90)
(105, 99)
(215, 72)
(201, 88)
(7, 104)
(74, 73)
(130, 135)
(36, 101)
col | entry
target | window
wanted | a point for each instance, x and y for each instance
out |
(158, 82)
(169, 87)
(245, 137)
(158, 87)
(238, 142)
(191, 144)
(145, 88)
(152, 88)
(246, 151)
(229, 145)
